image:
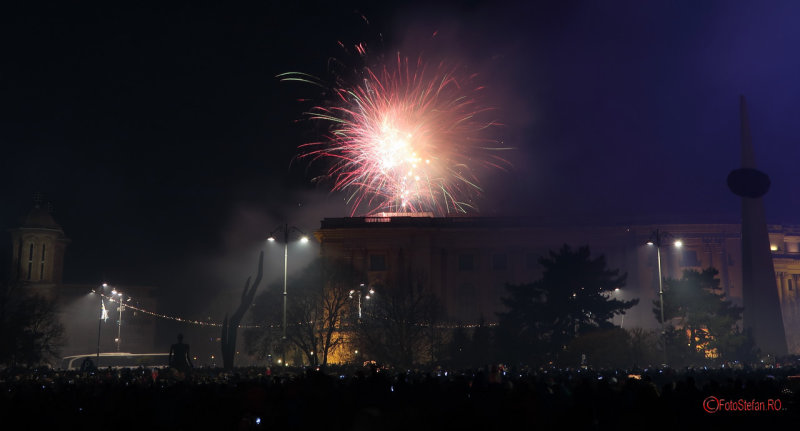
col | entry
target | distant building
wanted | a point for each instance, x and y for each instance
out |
(467, 261)
(38, 248)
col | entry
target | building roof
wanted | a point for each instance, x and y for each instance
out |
(41, 218)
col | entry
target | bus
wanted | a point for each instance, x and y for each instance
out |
(117, 360)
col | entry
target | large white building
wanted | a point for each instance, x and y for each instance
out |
(467, 261)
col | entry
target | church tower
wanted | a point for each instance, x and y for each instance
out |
(38, 249)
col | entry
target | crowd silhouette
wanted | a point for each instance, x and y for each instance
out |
(379, 399)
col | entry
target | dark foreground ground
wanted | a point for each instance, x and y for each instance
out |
(382, 400)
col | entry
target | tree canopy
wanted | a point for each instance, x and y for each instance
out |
(573, 296)
(702, 322)
(30, 332)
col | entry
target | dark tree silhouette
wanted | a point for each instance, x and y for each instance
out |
(702, 322)
(643, 346)
(459, 348)
(571, 298)
(230, 326)
(400, 328)
(30, 332)
(317, 312)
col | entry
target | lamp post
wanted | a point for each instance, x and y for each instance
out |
(103, 318)
(121, 308)
(616, 294)
(656, 239)
(286, 230)
(361, 293)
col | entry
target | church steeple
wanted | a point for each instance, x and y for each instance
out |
(38, 247)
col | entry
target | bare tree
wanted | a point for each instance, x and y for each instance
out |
(643, 345)
(230, 326)
(30, 332)
(401, 327)
(318, 311)
(318, 306)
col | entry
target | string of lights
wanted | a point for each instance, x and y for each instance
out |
(256, 326)
(173, 318)
(445, 325)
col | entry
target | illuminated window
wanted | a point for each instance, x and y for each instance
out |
(466, 262)
(30, 261)
(41, 266)
(499, 261)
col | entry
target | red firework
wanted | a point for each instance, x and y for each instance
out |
(408, 138)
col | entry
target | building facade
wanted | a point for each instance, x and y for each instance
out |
(467, 261)
(38, 247)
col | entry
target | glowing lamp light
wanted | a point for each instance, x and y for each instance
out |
(649, 243)
(304, 239)
(616, 289)
(773, 247)
(271, 239)
(105, 284)
(678, 243)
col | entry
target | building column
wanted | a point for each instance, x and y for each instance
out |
(779, 277)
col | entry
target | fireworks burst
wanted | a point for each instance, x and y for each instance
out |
(408, 138)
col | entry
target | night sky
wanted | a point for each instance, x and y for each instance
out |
(165, 142)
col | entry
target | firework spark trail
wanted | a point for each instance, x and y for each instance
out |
(406, 139)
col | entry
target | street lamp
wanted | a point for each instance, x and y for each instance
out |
(121, 308)
(286, 230)
(618, 292)
(360, 292)
(103, 318)
(656, 239)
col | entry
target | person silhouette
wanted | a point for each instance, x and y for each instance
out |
(87, 364)
(179, 355)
